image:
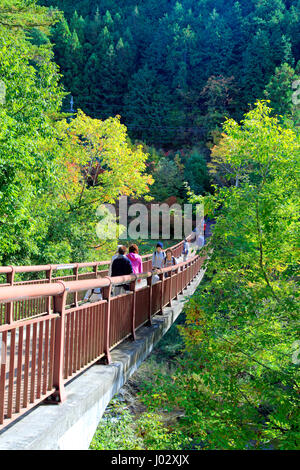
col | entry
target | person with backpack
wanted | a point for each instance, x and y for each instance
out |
(185, 250)
(170, 260)
(158, 257)
(121, 266)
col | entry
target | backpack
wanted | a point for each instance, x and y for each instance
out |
(173, 261)
(95, 297)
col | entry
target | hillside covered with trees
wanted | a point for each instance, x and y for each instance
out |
(174, 69)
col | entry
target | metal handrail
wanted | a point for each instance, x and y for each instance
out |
(15, 293)
(60, 267)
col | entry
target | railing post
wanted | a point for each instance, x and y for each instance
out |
(180, 248)
(189, 273)
(9, 307)
(59, 304)
(186, 274)
(3, 360)
(95, 269)
(177, 277)
(132, 287)
(170, 289)
(198, 265)
(149, 283)
(162, 278)
(180, 274)
(49, 277)
(107, 296)
(75, 273)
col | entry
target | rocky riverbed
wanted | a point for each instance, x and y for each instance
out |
(117, 428)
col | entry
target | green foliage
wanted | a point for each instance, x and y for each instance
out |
(173, 169)
(18, 15)
(168, 180)
(54, 173)
(279, 92)
(237, 382)
(94, 166)
(148, 101)
(196, 172)
(33, 98)
(116, 431)
(173, 70)
(156, 436)
(119, 430)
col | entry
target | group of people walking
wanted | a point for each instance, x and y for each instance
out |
(124, 264)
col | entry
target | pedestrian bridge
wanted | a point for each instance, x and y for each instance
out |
(50, 338)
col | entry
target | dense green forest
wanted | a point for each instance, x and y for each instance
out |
(197, 100)
(174, 69)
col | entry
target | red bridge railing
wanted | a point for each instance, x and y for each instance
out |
(42, 352)
(78, 271)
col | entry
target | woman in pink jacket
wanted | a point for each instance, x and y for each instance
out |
(135, 259)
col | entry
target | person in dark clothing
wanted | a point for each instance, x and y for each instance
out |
(121, 266)
(170, 260)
